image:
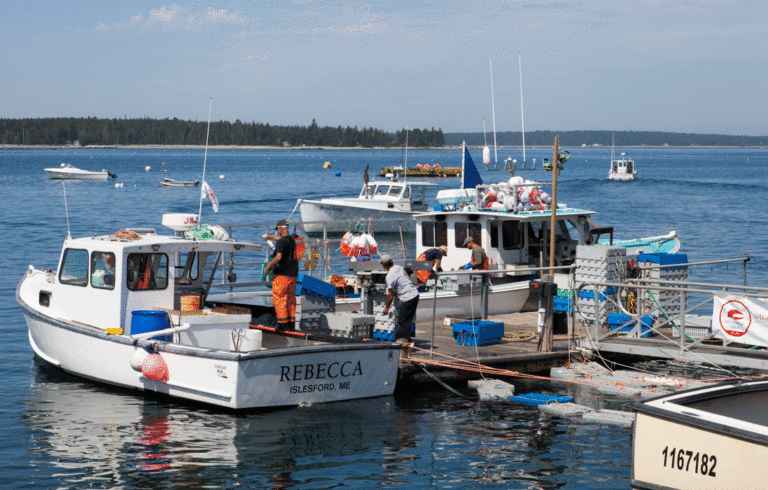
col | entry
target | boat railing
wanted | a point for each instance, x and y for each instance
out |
(227, 264)
(676, 307)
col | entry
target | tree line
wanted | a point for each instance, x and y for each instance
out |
(604, 138)
(145, 131)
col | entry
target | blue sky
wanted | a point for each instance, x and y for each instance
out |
(643, 65)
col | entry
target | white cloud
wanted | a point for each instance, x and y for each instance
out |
(176, 18)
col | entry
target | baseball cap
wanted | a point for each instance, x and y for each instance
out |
(385, 259)
(467, 240)
(282, 223)
(443, 249)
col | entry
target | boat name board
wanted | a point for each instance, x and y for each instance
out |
(320, 371)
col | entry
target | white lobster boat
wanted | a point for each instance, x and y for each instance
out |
(127, 325)
(391, 204)
(713, 437)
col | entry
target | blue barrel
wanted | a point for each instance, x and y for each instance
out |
(151, 321)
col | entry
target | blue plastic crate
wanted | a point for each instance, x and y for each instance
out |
(468, 339)
(562, 304)
(664, 259)
(314, 287)
(481, 329)
(390, 336)
(539, 399)
(616, 320)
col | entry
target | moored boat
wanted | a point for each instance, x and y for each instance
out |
(706, 438)
(178, 183)
(69, 172)
(123, 309)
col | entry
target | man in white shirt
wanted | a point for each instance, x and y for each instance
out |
(400, 287)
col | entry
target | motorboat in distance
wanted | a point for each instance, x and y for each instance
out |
(69, 172)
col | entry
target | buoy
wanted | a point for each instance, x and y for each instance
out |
(154, 367)
(486, 155)
(221, 176)
(163, 163)
(327, 165)
(338, 173)
(148, 168)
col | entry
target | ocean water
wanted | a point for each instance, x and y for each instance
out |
(62, 432)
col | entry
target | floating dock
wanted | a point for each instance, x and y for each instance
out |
(424, 172)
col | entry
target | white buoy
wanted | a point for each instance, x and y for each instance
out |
(221, 176)
(148, 168)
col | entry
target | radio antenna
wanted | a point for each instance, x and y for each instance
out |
(66, 209)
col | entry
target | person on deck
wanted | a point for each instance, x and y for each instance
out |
(400, 287)
(479, 258)
(286, 274)
(435, 255)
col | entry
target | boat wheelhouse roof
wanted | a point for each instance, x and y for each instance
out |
(148, 238)
(403, 183)
(528, 215)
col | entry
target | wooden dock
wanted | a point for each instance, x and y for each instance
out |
(445, 360)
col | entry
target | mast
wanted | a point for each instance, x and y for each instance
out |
(522, 117)
(463, 152)
(493, 113)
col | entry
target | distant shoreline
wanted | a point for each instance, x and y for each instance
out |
(237, 147)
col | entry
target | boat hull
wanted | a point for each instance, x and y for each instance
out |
(707, 438)
(340, 217)
(619, 176)
(502, 299)
(58, 174)
(287, 376)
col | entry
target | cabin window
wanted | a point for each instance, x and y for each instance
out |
(407, 193)
(494, 232)
(464, 230)
(395, 191)
(147, 271)
(510, 232)
(103, 270)
(189, 269)
(74, 267)
(434, 233)
(382, 190)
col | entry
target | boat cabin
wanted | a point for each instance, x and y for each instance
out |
(411, 196)
(101, 280)
(509, 239)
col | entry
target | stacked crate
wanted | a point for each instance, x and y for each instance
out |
(385, 327)
(347, 324)
(665, 267)
(599, 263)
(314, 298)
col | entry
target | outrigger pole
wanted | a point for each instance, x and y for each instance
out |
(205, 158)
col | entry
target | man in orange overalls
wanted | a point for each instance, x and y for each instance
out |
(286, 273)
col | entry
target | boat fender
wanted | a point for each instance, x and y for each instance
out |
(137, 359)
(154, 367)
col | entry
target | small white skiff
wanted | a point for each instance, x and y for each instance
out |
(121, 309)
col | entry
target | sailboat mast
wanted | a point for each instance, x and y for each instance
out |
(463, 152)
(493, 113)
(485, 140)
(522, 117)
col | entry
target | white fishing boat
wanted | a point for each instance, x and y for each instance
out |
(511, 221)
(713, 437)
(623, 168)
(69, 172)
(391, 204)
(122, 309)
(178, 183)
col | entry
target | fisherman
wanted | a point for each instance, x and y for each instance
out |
(286, 273)
(479, 258)
(435, 255)
(400, 287)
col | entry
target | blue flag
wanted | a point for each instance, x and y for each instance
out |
(471, 176)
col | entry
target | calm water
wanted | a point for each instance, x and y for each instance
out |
(60, 432)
